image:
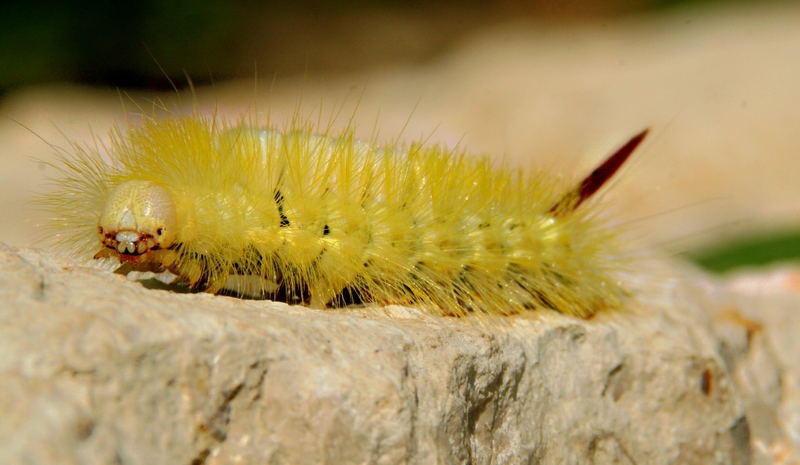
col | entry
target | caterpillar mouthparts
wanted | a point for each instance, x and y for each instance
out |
(327, 220)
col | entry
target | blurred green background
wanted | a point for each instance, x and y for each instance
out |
(135, 44)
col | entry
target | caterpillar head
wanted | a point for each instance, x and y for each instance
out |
(138, 217)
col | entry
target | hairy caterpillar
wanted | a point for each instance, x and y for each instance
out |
(329, 220)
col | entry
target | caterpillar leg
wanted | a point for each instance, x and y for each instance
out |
(329, 291)
(154, 260)
(252, 286)
(190, 271)
(320, 296)
(216, 283)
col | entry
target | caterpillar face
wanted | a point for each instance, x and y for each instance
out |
(138, 218)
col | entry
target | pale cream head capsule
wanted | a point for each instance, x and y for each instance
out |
(138, 216)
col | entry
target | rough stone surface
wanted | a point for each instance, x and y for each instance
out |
(758, 332)
(97, 369)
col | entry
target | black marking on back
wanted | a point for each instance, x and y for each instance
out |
(279, 202)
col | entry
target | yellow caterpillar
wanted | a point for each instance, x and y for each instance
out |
(327, 220)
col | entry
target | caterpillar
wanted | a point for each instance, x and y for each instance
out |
(328, 220)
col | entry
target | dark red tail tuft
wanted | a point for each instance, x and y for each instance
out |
(597, 178)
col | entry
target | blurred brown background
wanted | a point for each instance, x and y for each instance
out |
(543, 84)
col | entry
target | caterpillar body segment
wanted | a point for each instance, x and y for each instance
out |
(327, 220)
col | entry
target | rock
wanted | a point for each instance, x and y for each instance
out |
(757, 328)
(98, 369)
